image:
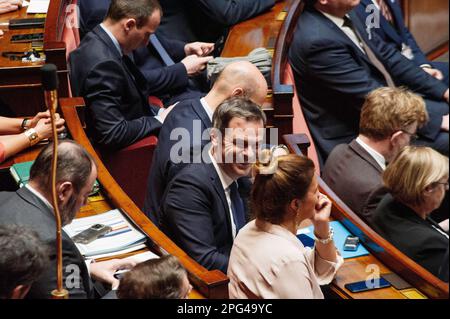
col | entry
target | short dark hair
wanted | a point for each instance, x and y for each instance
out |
(160, 278)
(74, 165)
(239, 107)
(23, 258)
(140, 10)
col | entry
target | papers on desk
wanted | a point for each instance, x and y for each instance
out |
(38, 6)
(123, 237)
(340, 235)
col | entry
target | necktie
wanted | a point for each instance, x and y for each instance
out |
(370, 55)
(385, 11)
(161, 51)
(237, 207)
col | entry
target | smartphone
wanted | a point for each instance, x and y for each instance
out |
(351, 243)
(361, 286)
(92, 233)
(31, 37)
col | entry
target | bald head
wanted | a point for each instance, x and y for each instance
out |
(242, 78)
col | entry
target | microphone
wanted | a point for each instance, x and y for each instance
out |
(50, 85)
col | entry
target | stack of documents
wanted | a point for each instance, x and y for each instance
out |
(122, 239)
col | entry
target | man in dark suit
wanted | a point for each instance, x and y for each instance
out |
(202, 210)
(336, 66)
(193, 118)
(170, 67)
(30, 206)
(392, 29)
(389, 121)
(205, 20)
(103, 73)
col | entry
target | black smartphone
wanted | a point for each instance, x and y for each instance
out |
(361, 286)
(92, 233)
(351, 243)
(30, 37)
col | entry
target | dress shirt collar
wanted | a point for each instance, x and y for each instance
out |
(113, 38)
(207, 108)
(376, 156)
(40, 196)
(224, 178)
(336, 20)
(375, 2)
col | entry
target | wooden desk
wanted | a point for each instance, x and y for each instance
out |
(20, 83)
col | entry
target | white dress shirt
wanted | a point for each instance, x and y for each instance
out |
(226, 182)
(376, 156)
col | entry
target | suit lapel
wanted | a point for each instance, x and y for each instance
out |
(358, 149)
(200, 111)
(138, 81)
(340, 34)
(215, 180)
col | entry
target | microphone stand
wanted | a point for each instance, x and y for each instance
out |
(51, 101)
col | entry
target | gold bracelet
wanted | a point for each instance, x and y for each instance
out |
(32, 136)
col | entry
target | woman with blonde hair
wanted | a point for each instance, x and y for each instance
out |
(416, 181)
(267, 259)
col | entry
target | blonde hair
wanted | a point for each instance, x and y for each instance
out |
(388, 110)
(290, 178)
(412, 171)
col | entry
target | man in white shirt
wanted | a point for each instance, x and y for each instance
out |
(389, 120)
(31, 206)
(202, 210)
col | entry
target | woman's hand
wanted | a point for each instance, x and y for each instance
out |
(44, 127)
(321, 217)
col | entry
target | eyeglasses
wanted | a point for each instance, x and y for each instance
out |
(413, 136)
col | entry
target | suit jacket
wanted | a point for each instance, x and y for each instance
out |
(115, 94)
(333, 77)
(26, 209)
(162, 81)
(205, 20)
(397, 34)
(195, 215)
(186, 115)
(353, 174)
(415, 237)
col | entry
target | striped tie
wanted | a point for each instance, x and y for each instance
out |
(385, 11)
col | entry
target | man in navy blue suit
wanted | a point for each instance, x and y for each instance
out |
(202, 210)
(103, 73)
(206, 20)
(392, 30)
(171, 67)
(193, 118)
(336, 66)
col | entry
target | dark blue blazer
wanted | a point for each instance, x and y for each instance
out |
(206, 20)
(26, 209)
(396, 35)
(162, 80)
(118, 110)
(333, 77)
(195, 215)
(184, 116)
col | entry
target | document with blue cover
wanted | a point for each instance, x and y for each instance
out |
(306, 236)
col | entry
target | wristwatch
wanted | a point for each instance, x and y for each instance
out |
(24, 124)
(32, 136)
(326, 240)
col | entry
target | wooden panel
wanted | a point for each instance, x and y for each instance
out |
(428, 22)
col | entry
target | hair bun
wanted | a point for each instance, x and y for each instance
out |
(268, 159)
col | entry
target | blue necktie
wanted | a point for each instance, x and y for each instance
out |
(161, 51)
(237, 207)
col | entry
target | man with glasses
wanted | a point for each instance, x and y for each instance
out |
(389, 120)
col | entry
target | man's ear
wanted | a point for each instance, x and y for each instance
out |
(395, 138)
(237, 92)
(65, 191)
(20, 292)
(129, 24)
